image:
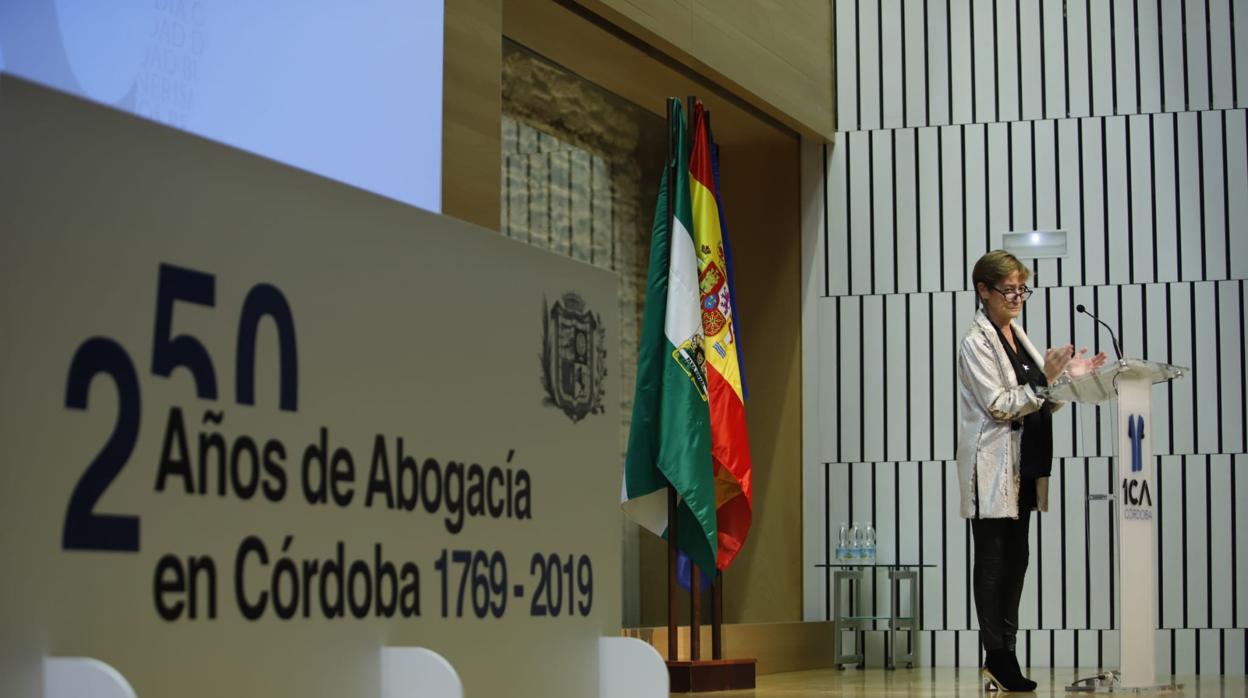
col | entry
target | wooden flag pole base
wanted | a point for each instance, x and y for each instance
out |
(711, 675)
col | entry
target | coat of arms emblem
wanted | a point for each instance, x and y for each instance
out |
(573, 357)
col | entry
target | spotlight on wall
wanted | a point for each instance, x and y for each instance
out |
(1035, 244)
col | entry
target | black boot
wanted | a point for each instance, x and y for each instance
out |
(1002, 669)
(1026, 683)
(1010, 643)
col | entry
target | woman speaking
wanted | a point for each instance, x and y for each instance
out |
(1005, 450)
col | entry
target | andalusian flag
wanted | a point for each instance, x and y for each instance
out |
(670, 439)
(730, 444)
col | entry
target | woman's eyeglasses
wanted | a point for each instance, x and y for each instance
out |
(1014, 294)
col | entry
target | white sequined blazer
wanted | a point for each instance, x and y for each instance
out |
(989, 400)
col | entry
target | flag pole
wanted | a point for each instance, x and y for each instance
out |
(717, 617)
(671, 489)
(695, 577)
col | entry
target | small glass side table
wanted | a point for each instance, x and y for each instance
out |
(847, 584)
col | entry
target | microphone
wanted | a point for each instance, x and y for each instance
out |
(1117, 347)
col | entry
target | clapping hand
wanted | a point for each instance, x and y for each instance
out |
(1080, 365)
(1056, 359)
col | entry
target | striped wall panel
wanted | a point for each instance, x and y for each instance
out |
(1122, 122)
(913, 63)
(1072, 584)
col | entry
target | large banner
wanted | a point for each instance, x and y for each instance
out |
(256, 425)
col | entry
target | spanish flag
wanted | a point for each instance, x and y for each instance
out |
(730, 444)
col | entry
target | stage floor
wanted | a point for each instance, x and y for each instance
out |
(939, 682)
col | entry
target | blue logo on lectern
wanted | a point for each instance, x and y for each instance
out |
(1137, 500)
(1135, 432)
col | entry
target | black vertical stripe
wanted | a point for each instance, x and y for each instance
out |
(1152, 183)
(1087, 551)
(1083, 257)
(840, 372)
(1200, 171)
(1061, 470)
(1222, 651)
(1178, 200)
(1170, 384)
(909, 382)
(1183, 526)
(1234, 59)
(905, 89)
(1009, 184)
(1217, 359)
(1243, 373)
(870, 210)
(1191, 299)
(1034, 198)
(1161, 552)
(974, 91)
(1066, 62)
(931, 375)
(884, 420)
(1209, 56)
(849, 219)
(1111, 520)
(827, 241)
(1161, 56)
(1044, 86)
(962, 143)
(879, 49)
(966, 260)
(896, 513)
(872, 521)
(862, 382)
(857, 65)
(1234, 509)
(1108, 251)
(1172, 654)
(918, 215)
(927, 71)
(827, 542)
(893, 174)
(1187, 98)
(949, 62)
(1100, 648)
(1135, 39)
(1209, 539)
(1018, 65)
(1226, 203)
(1130, 186)
(940, 205)
(967, 585)
(1113, 56)
(1088, 26)
(944, 545)
(996, 67)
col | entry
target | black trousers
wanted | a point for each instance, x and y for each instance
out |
(1001, 556)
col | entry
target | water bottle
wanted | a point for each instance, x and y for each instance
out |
(868, 540)
(842, 543)
(855, 543)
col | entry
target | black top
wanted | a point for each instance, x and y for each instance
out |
(1036, 458)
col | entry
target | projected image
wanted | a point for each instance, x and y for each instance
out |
(351, 91)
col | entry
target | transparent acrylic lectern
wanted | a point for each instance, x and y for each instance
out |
(1128, 384)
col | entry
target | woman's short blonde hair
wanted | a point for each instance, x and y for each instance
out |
(995, 266)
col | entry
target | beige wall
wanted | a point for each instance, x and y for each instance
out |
(472, 111)
(777, 54)
(760, 183)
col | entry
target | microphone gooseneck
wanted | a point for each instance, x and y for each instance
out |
(1117, 347)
